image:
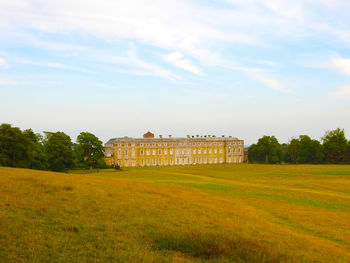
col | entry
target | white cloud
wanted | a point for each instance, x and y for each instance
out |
(10, 82)
(174, 24)
(271, 83)
(178, 60)
(129, 63)
(341, 93)
(47, 64)
(341, 64)
(103, 85)
(203, 32)
(3, 63)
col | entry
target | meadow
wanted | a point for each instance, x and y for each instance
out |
(206, 213)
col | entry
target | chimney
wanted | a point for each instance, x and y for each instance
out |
(161, 136)
(170, 136)
(197, 136)
(209, 136)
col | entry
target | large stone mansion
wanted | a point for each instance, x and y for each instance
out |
(150, 151)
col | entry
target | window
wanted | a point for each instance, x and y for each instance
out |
(165, 152)
(160, 152)
(148, 152)
(154, 152)
(220, 150)
(126, 152)
(194, 151)
(215, 151)
(141, 152)
(210, 151)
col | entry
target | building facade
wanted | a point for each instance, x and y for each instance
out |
(150, 151)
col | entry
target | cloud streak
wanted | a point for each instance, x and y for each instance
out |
(177, 59)
(3, 63)
(47, 64)
(343, 92)
(341, 64)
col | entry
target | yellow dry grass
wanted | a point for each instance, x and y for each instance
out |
(209, 213)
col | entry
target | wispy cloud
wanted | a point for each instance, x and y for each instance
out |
(3, 63)
(128, 62)
(177, 59)
(341, 64)
(103, 85)
(47, 64)
(343, 92)
(272, 83)
(173, 27)
(10, 82)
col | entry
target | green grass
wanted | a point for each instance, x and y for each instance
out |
(206, 213)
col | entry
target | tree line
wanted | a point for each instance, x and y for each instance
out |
(334, 148)
(54, 151)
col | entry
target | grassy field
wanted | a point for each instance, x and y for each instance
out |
(209, 213)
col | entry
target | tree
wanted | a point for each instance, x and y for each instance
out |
(35, 150)
(267, 150)
(89, 150)
(292, 151)
(335, 146)
(58, 148)
(309, 151)
(13, 147)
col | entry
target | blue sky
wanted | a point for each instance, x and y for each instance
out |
(228, 67)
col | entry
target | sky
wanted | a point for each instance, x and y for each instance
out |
(244, 68)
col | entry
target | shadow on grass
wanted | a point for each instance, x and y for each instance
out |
(211, 246)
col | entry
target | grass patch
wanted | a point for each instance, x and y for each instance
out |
(204, 213)
(213, 246)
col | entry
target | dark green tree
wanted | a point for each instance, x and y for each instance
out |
(253, 154)
(335, 146)
(267, 150)
(292, 151)
(13, 147)
(58, 148)
(309, 151)
(36, 156)
(89, 150)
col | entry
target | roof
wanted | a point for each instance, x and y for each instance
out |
(111, 141)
